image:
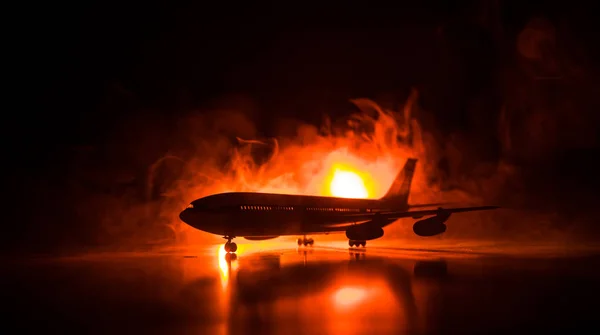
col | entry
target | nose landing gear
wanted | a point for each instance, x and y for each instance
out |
(305, 241)
(230, 247)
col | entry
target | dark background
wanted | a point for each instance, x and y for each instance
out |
(109, 84)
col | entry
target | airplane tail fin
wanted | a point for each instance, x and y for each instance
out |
(400, 189)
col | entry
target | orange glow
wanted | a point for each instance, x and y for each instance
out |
(359, 160)
(349, 296)
(226, 267)
(347, 184)
(223, 266)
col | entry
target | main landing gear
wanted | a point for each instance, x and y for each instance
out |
(230, 246)
(305, 241)
(357, 243)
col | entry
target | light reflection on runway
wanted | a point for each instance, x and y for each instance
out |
(285, 287)
(275, 287)
(227, 265)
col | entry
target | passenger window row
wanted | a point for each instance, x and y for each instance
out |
(291, 208)
(267, 208)
(327, 209)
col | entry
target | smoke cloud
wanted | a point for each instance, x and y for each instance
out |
(127, 192)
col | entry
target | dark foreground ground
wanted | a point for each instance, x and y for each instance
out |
(272, 287)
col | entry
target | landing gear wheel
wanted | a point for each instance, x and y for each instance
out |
(353, 243)
(305, 241)
(230, 247)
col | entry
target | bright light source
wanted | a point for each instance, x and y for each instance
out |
(346, 184)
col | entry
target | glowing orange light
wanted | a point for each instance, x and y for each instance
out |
(349, 296)
(359, 161)
(347, 184)
(225, 266)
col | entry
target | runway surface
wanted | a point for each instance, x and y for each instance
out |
(273, 287)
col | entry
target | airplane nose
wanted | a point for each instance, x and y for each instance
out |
(184, 215)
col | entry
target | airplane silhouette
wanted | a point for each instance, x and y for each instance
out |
(261, 216)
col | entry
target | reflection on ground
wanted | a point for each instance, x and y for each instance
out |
(309, 294)
(270, 288)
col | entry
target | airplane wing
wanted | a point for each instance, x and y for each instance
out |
(394, 215)
(421, 213)
(438, 204)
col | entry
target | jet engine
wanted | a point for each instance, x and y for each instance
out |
(364, 232)
(259, 238)
(432, 226)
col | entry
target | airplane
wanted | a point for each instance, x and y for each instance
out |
(261, 216)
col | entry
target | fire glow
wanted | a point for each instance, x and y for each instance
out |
(360, 160)
(347, 184)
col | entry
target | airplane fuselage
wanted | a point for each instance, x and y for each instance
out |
(265, 214)
(257, 216)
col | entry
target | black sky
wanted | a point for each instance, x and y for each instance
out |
(290, 58)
